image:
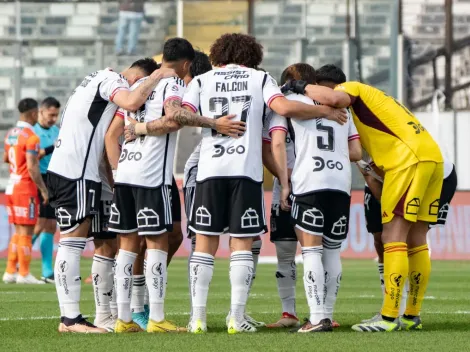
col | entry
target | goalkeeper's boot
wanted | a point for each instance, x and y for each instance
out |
(197, 327)
(411, 323)
(287, 321)
(235, 327)
(123, 327)
(378, 326)
(163, 326)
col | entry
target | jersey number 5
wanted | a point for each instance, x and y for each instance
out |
(224, 102)
(330, 138)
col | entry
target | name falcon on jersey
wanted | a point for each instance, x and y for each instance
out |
(231, 87)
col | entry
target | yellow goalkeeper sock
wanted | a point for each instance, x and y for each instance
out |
(395, 273)
(420, 270)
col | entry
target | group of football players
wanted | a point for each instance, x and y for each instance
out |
(110, 178)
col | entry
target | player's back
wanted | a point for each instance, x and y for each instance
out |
(19, 141)
(84, 122)
(389, 132)
(321, 153)
(232, 89)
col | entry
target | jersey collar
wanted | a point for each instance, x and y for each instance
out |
(23, 124)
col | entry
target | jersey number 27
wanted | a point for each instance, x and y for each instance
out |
(225, 103)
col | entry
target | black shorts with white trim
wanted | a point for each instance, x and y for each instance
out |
(175, 202)
(228, 205)
(143, 210)
(372, 212)
(100, 222)
(323, 213)
(189, 193)
(449, 186)
(282, 228)
(73, 200)
(45, 210)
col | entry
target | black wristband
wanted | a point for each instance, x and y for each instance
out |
(299, 87)
(49, 150)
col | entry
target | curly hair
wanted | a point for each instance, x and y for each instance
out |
(299, 71)
(236, 48)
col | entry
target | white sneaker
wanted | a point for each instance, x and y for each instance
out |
(29, 279)
(377, 317)
(107, 323)
(10, 278)
(197, 327)
(234, 327)
(255, 323)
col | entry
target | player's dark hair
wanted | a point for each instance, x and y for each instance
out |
(50, 102)
(236, 48)
(331, 73)
(147, 65)
(176, 49)
(200, 64)
(299, 71)
(27, 104)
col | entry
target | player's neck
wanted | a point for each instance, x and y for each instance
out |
(173, 66)
(26, 119)
(43, 125)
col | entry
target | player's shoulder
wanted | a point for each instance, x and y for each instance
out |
(138, 82)
(349, 85)
(300, 98)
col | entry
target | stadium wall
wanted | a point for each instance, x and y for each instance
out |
(449, 243)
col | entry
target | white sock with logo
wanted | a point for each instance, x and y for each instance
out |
(67, 275)
(156, 277)
(146, 292)
(314, 282)
(286, 274)
(255, 251)
(201, 269)
(138, 293)
(102, 275)
(332, 265)
(112, 300)
(241, 276)
(124, 267)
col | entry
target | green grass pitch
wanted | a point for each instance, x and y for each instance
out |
(29, 315)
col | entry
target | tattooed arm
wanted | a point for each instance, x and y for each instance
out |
(131, 101)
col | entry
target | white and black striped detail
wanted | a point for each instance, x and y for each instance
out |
(189, 200)
(329, 244)
(245, 326)
(76, 243)
(166, 196)
(203, 260)
(100, 259)
(370, 328)
(138, 280)
(241, 257)
(312, 250)
(294, 208)
(81, 195)
(96, 224)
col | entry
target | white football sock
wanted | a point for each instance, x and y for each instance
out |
(124, 266)
(255, 251)
(193, 247)
(314, 282)
(404, 298)
(156, 276)
(102, 274)
(67, 275)
(241, 276)
(332, 265)
(201, 269)
(286, 274)
(138, 293)
(146, 293)
(112, 301)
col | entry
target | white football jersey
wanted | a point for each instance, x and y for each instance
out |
(267, 130)
(321, 152)
(190, 168)
(84, 122)
(106, 190)
(148, 160)
(228, 90)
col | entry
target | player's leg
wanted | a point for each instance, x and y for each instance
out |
(418, 254)
(246, 222)
(11, 274)
(309, 220)
(139, 288)
(285, 240)
(336, 230)
(123, 221)
(25, 233)
(175, 237)
(208, 220)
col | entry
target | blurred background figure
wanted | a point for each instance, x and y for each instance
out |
(47, 131)
(131, 14)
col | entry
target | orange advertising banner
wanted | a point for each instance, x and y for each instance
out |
(449, 243)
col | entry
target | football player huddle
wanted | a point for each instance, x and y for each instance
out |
(110, 177)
